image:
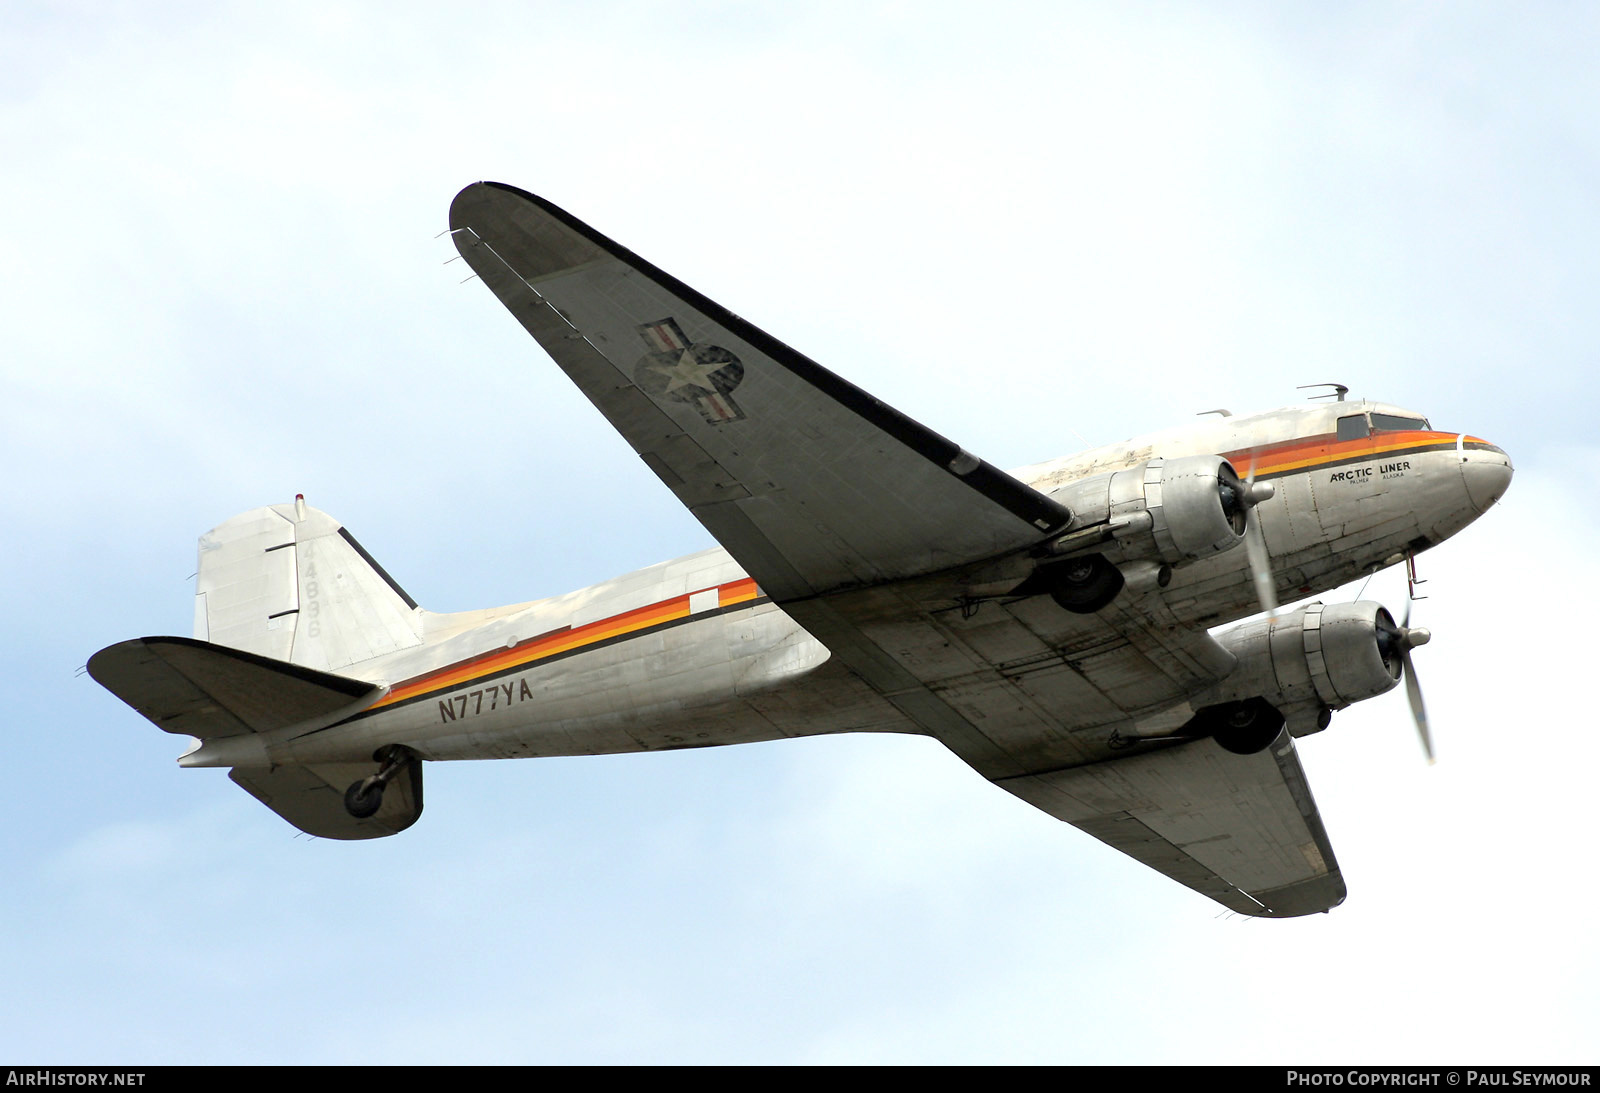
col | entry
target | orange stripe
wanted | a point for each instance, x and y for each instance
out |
(562, 641)
(1300, 454)
(737, 592)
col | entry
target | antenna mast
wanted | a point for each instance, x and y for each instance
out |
(1339, 390)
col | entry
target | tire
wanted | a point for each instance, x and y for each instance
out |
(1084, 585)
(362, 802)
(1245, 728)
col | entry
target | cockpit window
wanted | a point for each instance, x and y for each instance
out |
(1353, 427)
(1395, 423)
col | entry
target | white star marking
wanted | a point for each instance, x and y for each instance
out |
(690, 373)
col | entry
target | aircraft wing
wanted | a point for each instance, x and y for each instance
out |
(858, 520)
(810, 483)
(1242, 829)
(846, 512)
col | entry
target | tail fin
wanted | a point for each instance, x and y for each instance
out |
(288, 582)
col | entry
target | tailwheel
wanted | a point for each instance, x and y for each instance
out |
(1083, 585)
(365, 795)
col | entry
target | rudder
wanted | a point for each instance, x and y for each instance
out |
(288, 582)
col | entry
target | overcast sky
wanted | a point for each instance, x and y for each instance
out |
(222, 284)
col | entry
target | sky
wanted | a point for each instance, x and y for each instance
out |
(223, 283)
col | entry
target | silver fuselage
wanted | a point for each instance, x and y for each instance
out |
(690, 653)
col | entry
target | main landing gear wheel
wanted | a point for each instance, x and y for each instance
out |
(1248, 727)
(365, 796)
(1084, 585)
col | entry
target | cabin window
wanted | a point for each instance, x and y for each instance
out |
(1395, 423)
(1353, 427)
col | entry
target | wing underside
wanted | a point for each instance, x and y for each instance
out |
(854, 518)
(811, 483)
(1242, 829)
(865, 525)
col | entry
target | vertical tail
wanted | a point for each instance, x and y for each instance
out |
(288, 582)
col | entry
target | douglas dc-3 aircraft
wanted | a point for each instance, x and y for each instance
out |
(1049, 626)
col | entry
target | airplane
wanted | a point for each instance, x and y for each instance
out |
(1062, 628)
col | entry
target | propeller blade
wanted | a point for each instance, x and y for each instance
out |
(1255, 548)
(1419, 712)
(1255, 543)
(1397, 642)
(1407, 639)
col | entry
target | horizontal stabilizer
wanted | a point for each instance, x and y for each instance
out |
(312, 798)
(186, 686)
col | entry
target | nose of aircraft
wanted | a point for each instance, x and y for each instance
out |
(1487, 471)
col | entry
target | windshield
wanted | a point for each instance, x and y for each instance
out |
(1396, 423)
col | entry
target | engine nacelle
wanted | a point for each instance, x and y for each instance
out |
(1318, 658)
(1168, 510)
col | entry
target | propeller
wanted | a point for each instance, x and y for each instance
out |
(1397, 642)
(1239, 501)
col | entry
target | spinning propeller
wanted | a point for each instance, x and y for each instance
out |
(1397, 642)
(1239, 501)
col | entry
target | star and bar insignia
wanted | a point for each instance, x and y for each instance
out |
(703, 376)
